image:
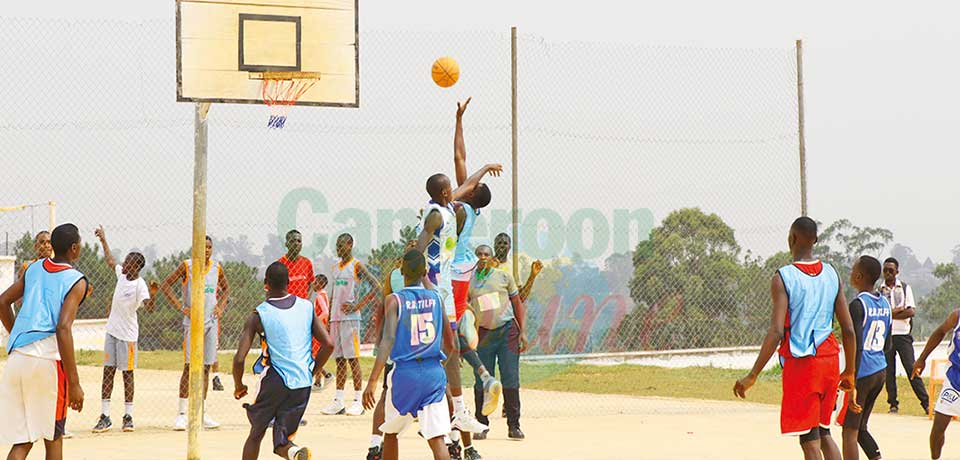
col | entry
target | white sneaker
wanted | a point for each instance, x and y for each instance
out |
(180, 424)
(67, 434)
(355, 409)
(465, 421)
(491, 396)
(335, 408)
(209, 423)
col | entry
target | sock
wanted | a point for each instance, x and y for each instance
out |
(183, 406)
(458, 404)
(446, 440)
(376, 440)
(358, 396)
(105, 405)
(455, 436)
(128, 408)
(338, 396)
(293, 451)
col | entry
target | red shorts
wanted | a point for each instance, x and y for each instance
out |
(461, 289)
(809, 393)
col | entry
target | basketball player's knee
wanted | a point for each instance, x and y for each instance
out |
(811, 436)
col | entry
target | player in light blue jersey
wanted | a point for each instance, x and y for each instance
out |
(416, 337)
(871, 315)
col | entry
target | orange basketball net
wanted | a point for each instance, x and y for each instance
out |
(280, 91)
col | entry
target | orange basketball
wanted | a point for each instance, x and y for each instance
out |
(445, 72)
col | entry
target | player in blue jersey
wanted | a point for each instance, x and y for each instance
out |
(948, 404)
(806, 295)
(288, 325)
(871, 315)
(416, 336)
(40, 378)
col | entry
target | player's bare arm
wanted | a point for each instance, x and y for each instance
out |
(459, 147)
(68, 312)
(493, 169)
(535, 269)
(10, 295)
(374, 282)
(175, 277)
(223, 294)
(326, 346)
(431, 223)
(449, 346)
(774, 336)
(251, 327)
(390, 320)
(848, 378)
(935, 338)
(107, 255)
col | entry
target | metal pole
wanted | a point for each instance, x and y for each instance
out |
(52, 215)
(198, 260)
(803, 146)
(513, 166)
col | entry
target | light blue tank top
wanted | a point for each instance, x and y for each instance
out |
(463, 252)
(811, 305)
(420, 318)
(45, 286)
(289, 336)
(876, 324)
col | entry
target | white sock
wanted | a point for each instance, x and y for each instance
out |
(446, 440)
(455, 436)
(105, 407)
(183, 406)
(358, 396)
(338, 396)
(128, 408)
(458, 404)
(376, 440)
(293, 452)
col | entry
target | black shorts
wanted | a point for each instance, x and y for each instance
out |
(277, 402)
(386, 373)
(868, 390)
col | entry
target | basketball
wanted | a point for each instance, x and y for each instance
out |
(445, 72)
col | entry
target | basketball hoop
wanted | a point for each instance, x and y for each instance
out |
(280, 90)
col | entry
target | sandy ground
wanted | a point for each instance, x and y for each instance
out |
(557, 425)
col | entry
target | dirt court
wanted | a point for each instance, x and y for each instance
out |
(557, 425)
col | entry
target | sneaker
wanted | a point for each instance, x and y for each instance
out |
(481, 435)
(327, 375)
(217, 386)
(319, 383)
(302, 454)
(335, 408)
(103, 425)
(209, 423)
(470, 453)
(492, 389)
(127, 423)
(355, 409)
(67, 434)
(515, 433)
(180, 423)
(894, 409)
(375, 453)
(464, 421)
(455, 450)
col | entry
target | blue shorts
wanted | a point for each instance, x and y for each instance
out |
(417, 384)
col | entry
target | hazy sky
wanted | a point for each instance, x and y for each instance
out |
(880, 77)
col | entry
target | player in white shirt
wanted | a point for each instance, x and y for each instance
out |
(120, 345)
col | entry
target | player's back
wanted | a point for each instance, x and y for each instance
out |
(419, 335)
(46, 285)
(812, 290)
(287, 326)
(876, 324)
(443, 242)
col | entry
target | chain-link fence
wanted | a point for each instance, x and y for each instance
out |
(655, 183)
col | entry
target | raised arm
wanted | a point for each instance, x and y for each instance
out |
(848, 378)
(107, 255)
(390, 320)
(251, 327)
(535, 268)
(459, 147)
(13, 294)
(935, 338)
(494, 169)
(174, 277)
(774, 336)
(68, 312)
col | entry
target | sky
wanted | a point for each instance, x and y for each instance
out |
(880, 82)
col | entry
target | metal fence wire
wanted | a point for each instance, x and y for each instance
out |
(655, 183)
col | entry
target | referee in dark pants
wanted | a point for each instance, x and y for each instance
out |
(901, 299)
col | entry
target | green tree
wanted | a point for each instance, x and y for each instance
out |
(935, 307)
(841, 243)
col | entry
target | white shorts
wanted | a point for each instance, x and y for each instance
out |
(33, 399)
(949, 401)
(346, 339)
(211, 343)
(434, 419)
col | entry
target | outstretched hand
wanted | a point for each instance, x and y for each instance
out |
(462, 107)
(99, 233)
(494, 169)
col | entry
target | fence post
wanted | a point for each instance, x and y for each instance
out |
(803, 146)
(198, 261)
(513, 165)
